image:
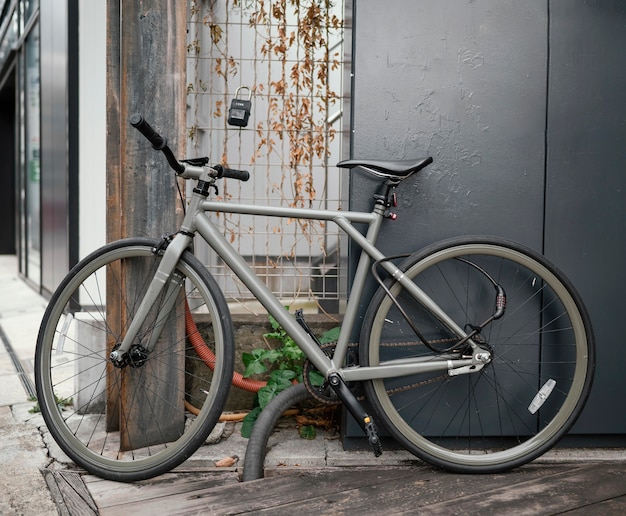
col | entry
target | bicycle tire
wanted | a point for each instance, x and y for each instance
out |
(482, 422)
(130, 423)
(256, 450)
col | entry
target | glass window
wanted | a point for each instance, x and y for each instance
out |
(29, 8)
(32, 155)
(9, 39)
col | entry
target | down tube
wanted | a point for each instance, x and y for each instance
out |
(241, 269)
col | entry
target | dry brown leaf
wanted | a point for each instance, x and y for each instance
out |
(227, 462)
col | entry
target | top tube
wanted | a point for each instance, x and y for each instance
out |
(295, 213)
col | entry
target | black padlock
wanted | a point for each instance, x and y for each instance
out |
(239, 110)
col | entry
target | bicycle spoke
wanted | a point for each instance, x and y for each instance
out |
(481, 420)
(127, 420)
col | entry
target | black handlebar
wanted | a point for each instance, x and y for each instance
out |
(157, 141)
(160, 143)
(241, 175)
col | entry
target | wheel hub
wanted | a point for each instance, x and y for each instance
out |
(136, 356)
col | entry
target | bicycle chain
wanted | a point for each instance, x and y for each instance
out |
(413, 343)
(324, 394)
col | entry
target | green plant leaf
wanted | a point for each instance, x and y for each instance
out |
(307, 432)
(274, 323)
(35, 409)
(272, 355)
(291, 351)
(331, 335)
(282, 376)
(254, 362)
(316, 378)
(248, 422)
(254, 355)
(267, 394)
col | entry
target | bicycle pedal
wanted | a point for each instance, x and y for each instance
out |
(372, 437)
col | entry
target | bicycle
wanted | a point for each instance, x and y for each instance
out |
(476, 354)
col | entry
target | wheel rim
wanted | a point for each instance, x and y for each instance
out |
(529, 446)
(79, 428)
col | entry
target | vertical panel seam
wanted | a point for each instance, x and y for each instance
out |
(546, 133)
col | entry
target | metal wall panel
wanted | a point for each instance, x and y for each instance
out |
(515, 101)
(467, 86)
(464, 82)
(586, 182)
(55, 198)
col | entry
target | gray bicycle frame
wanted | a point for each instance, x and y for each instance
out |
(197, 221)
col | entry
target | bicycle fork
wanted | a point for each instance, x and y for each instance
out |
(129, 350)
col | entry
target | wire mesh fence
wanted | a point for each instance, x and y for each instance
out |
(287, 57)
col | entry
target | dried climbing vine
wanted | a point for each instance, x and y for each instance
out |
(299, 99)
(295, 34)
(283, 51)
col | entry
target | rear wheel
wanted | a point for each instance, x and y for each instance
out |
(133, 421)
(530, 393)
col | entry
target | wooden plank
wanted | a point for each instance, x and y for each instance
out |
(535, 488)
(75, 495)
(107, 494)
(55, 492)
(613, 507)
(574, 487)
(114, 190)
(256, 495)
(416, 493)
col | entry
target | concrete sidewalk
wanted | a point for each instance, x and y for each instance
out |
(27, 450)
(23, 453)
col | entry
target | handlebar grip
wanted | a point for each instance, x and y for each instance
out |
(241, 175)
(138, 122)
(158, 142)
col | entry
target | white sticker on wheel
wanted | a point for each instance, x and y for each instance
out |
(541, 396)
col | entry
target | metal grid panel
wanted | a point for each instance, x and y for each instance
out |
(291, 143)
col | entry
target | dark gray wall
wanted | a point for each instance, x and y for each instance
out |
(585, 224)
(521, 105)
(467, 86)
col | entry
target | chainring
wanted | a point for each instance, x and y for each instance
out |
(324, 393)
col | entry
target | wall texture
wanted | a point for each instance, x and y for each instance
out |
(521, 105)
(585, 220)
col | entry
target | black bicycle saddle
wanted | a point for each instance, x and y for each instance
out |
(399, 169)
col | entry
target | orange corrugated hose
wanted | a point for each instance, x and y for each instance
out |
(208, 357)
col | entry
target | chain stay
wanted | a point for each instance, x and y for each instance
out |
(320, 393)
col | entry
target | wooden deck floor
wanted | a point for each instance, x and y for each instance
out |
(572, 488)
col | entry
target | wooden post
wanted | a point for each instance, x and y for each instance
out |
(146, 53)
(114, 190)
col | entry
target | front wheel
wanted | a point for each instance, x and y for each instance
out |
(542, 356)
(136, 420)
